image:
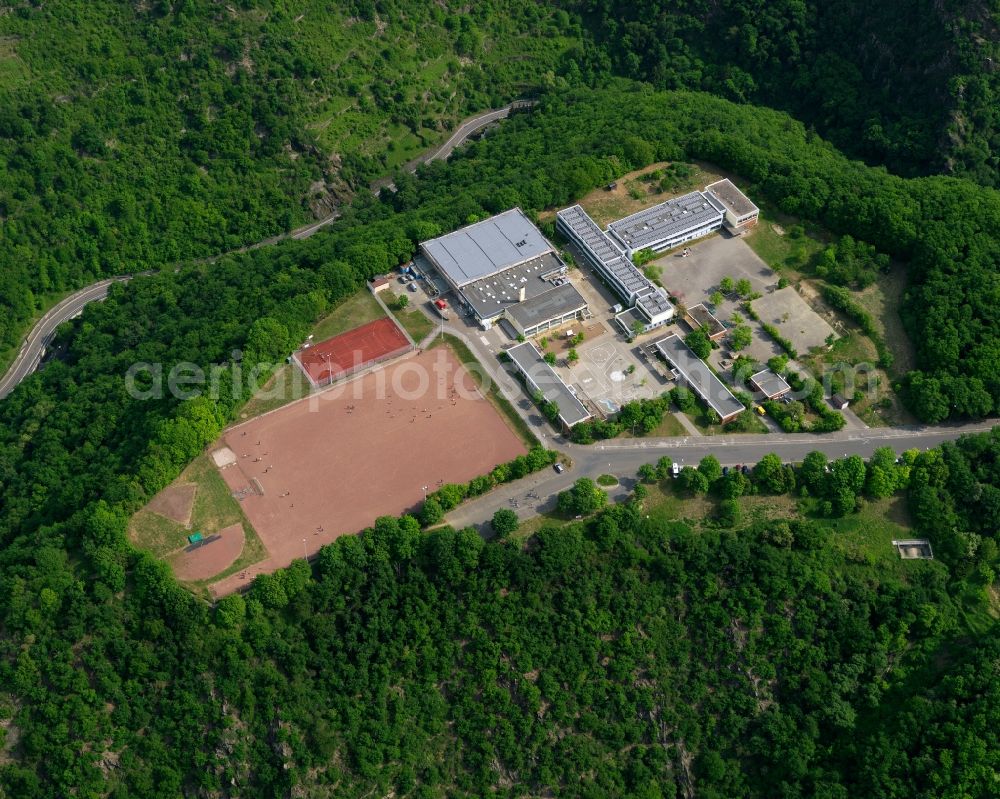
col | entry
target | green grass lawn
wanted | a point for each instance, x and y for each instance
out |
(700, 420)
(774, 239)
(531, 526)
(214, 509)
(415, 321)
(358, 309)
(287, 385)
(668, 427)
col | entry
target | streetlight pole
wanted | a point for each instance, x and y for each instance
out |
(304, 553)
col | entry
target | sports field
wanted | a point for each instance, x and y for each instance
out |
(339, 356)
(332, 463)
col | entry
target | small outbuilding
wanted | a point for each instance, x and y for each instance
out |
(838, 403)
(770, 384)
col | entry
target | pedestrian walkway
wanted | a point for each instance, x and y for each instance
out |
(687, 424)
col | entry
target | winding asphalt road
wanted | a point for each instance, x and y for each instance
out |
(33, 348)
(34, 345)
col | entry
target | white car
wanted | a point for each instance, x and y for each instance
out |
(675, 469)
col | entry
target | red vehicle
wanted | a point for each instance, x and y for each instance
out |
(442, 307)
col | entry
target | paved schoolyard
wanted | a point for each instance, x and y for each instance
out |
(694, 278)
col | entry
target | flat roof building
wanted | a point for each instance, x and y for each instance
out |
(700, 378)
(740, 213)
(770, 384)
(495, 265)
(486, 248)
(668, 224)
(701, 318)
(490, 296)
(656, 307)
(541, 377)
(553, 308)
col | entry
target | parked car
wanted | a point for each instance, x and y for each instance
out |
(411, 286)
(746, 469)
(559, 468)
(675, 469)
(759, 409)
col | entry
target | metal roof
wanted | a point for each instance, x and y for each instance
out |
(668, 220)
(606, 251)
(486, 248)
(554, 303)
(579, 221)
(702, 380)
(529, 360)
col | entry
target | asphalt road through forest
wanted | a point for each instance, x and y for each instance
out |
(34, 345)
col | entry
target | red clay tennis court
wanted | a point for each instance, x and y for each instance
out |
(338, 356)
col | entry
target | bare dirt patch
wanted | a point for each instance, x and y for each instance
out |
(175, 502)
(331, 464)
(206, 561)
(631, 193)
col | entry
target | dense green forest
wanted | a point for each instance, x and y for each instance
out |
(913, 86)
(134, 135)
(620, 656)
(732, 656)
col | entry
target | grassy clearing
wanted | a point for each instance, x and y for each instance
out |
(866, 537)
(492, 392)
(633, 193)
(531, 526)
(776, 241)
(287, 385)
(356, 310)
(607, 480)
(214, 509)
(882, 300)
(13, 71)
(413, 320)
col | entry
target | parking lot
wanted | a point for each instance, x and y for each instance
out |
(695, 278)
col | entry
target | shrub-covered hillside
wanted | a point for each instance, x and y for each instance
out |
(136, 134)
(623, 657)
(914, 86)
